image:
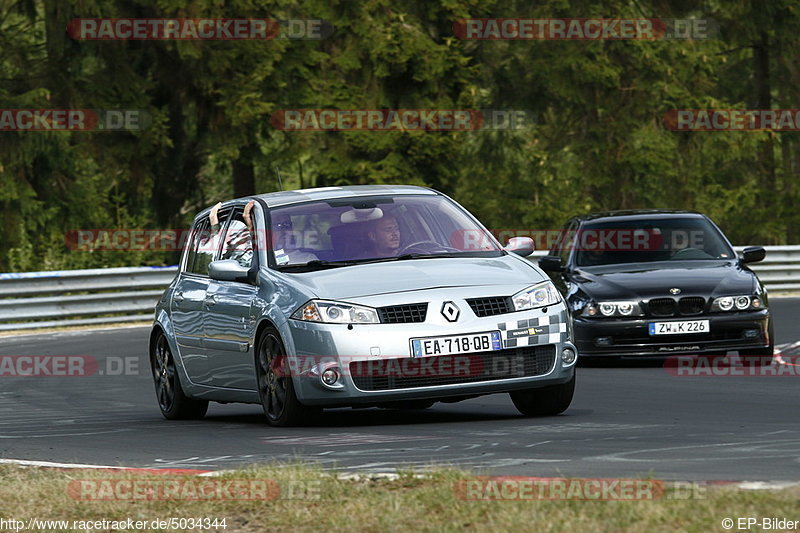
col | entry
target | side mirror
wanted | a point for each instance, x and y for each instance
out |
(520, 245)
(228, 270)
(551, 263)
(753, 254)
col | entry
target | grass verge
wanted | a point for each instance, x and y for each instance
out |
(303, 498)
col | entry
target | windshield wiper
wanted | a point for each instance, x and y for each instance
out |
(427, 256)
(318, 264)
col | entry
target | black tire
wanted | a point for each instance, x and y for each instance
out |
(275, 386)
(546, 401)
(762, 357)
(172, 402)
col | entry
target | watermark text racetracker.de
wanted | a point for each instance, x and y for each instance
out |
(331, 369)
(743, 365)
(597, 240)
(605, 239)
(525, 488)
(196, 29)
(74, 119)
(584, 29)
(59, 366)
(160, 488)
(401, 119)
(732, 119)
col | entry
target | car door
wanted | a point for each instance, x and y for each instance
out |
(187, 307)
(231, 317)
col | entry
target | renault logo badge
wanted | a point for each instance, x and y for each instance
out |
(450, 311)
(675, 290)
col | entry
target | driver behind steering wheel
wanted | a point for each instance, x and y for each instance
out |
(384, 237)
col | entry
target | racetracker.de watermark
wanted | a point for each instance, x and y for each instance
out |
(196, 29)
(732, 119)
(590, 239)
(157, 488)
(473, 239)
(584, 29)
(439, 364)
(74, 119)
(733, 366)
(70, 366)
(400, 119)
(523, 488)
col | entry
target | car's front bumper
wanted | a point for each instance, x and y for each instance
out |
(375, 364)
(739, 331)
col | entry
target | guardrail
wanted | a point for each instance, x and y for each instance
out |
(30, 300)
(80, 297)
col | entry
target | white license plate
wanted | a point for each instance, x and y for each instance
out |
(680, 327)
(453, 344)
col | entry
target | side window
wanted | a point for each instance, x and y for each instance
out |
(238, 241)
(204, 244)
(192, 245)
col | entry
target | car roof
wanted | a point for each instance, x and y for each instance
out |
(637, 214)
(275, 199)
(282, 198)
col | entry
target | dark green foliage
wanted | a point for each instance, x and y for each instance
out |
(598, 140)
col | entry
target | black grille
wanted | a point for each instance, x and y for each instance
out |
(691, 305)
(661, 306)
(389, 374)
(494, 305)
(403, 314)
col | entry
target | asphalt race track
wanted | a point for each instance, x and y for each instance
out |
(625, 421)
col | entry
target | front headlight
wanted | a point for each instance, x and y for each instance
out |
(539, 295)
(336, 313)
(612, 309)
(742, 302)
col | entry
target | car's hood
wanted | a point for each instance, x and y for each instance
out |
(705, 278)
(418, 274)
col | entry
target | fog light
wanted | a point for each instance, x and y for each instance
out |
(602, 341)
(330, 376)
(751, 333)
(568, 355)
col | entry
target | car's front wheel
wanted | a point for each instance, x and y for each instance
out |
(172, 401)
(275, 386)
(545, 401)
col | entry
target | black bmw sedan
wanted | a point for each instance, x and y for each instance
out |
(659, 282)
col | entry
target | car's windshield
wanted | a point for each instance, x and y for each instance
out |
(363, 229)
(646, 240)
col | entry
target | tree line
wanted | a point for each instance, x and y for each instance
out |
(596, 138)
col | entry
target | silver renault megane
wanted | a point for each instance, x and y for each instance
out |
(385, 296)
